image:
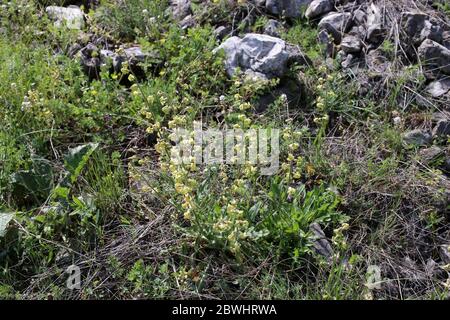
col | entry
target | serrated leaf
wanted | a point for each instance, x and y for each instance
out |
(77, 159)
(5, 219)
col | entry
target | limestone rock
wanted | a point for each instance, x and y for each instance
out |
(318, 8)
(438, 88)
(133, 55)
(351, 44)
(258, 55)
(273, 27)
(336, 24)
(374, 24)
(435, 58)
(180, 9)
(72, 16)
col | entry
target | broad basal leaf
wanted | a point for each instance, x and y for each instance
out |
(77, 159)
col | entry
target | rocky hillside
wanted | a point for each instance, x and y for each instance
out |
(92, 94)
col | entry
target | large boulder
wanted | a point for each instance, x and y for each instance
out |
(259, 56)
(336, 24)
(318, 8)
(435, 58)
(72, 16)
(289, 8)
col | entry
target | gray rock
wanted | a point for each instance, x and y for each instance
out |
(72, 16)
(133, 55)
(435, 58)
(297, 56)
(351, 44)
(358, 31)
(446, 165)
(90, 50)
(259, 3)
(417, 137)
(318, 8)
(232, 49)
(320, 242)
(341, 56)
(187, 22)
(441, 115)
(348, 61)
(258, 55)
(444, 253)
(419, 26)
(431, 268)
(374, 24)
(115, 59)
(90, 60)
(180, 9)
(446, 39)
(336, 24)
(360, 17)
(442, 128)
(289, 8)
(374, 16)
(221, 32)
(438, 88)
(430, 154)
(264, 54)
(324, 38)
(273, 28)
(351, 61)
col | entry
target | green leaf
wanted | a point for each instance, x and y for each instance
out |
(5, 218)
(77, 159)
(34, 184)
(61, 192)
